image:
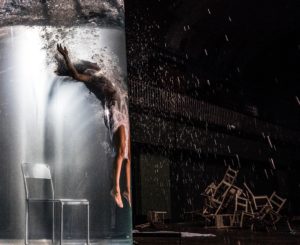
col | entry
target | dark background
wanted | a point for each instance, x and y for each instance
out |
(212, 84)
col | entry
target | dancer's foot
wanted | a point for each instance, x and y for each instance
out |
(127, 196)
(117, 198)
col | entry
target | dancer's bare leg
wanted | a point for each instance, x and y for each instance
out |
(127, 192)
(120, 143)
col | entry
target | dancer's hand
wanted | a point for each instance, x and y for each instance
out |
(62, 50)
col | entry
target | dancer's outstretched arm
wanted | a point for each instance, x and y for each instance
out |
(74, 73)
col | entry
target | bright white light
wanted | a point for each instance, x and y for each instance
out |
(32, 88)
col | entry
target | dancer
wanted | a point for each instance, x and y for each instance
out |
(116, 119)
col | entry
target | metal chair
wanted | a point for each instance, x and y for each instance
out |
(43, 172)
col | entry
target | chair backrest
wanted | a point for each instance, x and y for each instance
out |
(211, 189)
(241, 204)
(230, 175)
(277, 202)
(234, 190)
(36, 171)
(250, 196)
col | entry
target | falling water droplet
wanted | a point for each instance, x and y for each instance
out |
(238, 160)
(266, 174)
(269, 141)
(297, 99)
(272, 162)
(226, 38)
(228, 148)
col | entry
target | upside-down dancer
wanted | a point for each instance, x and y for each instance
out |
(116, 120)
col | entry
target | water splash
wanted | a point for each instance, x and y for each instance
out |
(56, 119)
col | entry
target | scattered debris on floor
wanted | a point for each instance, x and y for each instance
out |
(169, 233)
(192, 234)
(143, 226)
(156, 217)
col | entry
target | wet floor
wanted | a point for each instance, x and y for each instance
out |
(235, 237)
(70, 242)
(227, 237)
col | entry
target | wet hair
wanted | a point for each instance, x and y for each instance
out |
(82, 66)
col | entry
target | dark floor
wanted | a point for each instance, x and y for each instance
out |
(226, 237)
(233, 236)
(69, 242)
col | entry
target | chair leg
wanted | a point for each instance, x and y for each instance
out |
(88, 224)
(53, 223)
(26, 222)
(242, 220)
(289, 225)
(61, 223)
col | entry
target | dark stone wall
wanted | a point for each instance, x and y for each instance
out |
(214, 84)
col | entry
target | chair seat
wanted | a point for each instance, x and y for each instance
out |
(73, 201)
(61, 200)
